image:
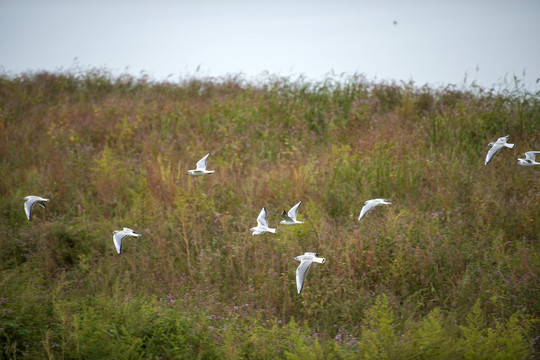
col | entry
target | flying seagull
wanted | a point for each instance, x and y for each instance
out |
(496, 147)
(529, 159)
(370, 204)
(262, 224)
(303, 268)
(201, 168)
(290, 217)
(119, 235)
(32, 200)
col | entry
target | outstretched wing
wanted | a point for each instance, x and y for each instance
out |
(531, 155)
(492, 152)
(301, 273)
(261, 219)
(28, 206)
(117, 239)
(201, 164)
(294, 211)
(368, 206)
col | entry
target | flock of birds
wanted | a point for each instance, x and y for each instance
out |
(290, 217)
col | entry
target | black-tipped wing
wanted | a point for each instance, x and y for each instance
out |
(118, 239)
(201, 164)
(294, 211)
(261, 219)
(28, 206)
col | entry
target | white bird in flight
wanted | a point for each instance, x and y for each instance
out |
(119, 235)
(290, 217)
(530, 159)
(201, 168)
(303, 268)
(496, 147)
(262, 224)
(32, 200)
(370, 204)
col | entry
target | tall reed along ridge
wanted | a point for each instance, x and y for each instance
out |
(449, 270)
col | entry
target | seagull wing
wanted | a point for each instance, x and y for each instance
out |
(117, 239)
(301, 272)
(285, 216)
(492, 152)
(531, 155)
(368, 206)
(294, 211)
(201, 164)
(261, 219)
(28, 206)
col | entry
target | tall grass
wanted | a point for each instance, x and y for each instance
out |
(449, 270)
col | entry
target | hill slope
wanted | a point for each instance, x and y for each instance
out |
(449, 270)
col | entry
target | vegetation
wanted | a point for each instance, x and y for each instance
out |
(450, 270)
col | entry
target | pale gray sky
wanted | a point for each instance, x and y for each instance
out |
(436, 42)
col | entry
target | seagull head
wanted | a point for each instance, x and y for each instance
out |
(190, 172)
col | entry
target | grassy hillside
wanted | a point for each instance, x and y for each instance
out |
(450, 270)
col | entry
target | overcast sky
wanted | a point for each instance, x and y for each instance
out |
(436, 42)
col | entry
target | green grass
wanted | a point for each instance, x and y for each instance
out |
(450, 270)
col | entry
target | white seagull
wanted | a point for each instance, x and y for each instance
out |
(290, 217)
(529, 159)
(303, 268)
(201, 168)
(262, 224)
(119, 235)
(496, 147)
(370, 204)
(32, 200)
